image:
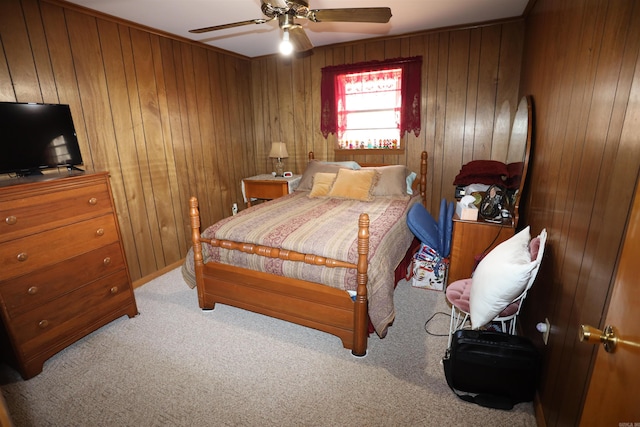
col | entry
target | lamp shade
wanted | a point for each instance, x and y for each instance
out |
(278, 150)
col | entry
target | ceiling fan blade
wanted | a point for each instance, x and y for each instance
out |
(299, 39)
(357, 14)
(224, 26)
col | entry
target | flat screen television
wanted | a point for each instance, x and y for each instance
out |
(34, 137)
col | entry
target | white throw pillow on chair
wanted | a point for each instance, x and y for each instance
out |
(500, 277)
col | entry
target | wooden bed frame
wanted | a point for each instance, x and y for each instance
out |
(305, 303)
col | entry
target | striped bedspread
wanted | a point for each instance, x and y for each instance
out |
(325, 227)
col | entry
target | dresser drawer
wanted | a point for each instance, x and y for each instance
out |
(52, 322)
(22, 256)
(30, 291)
(28, 215)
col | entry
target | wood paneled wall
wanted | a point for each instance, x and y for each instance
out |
(167, 118)
(582, 67)
(468, 75)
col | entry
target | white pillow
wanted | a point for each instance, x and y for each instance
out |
(500, 277)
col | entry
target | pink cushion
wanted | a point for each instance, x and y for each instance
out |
(510, 309)
(458, 294)
(534, 247)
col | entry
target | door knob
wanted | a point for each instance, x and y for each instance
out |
(589, 334)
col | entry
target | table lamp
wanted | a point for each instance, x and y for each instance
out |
(278, 152)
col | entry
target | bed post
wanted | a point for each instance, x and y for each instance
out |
(423, 178)
(194, 216)
(361, 318)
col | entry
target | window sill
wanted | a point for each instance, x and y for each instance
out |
(375, 151)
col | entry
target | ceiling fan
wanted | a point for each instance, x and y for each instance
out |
(294, 37)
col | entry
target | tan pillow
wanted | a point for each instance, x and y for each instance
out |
(313, 167)
(354, 184)
(392, 181)
(322, 182)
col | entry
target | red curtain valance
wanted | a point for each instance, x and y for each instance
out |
(411, 90)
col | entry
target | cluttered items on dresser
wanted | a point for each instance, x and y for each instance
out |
(490, 187)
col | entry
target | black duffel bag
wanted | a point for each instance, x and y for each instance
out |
(492, 369)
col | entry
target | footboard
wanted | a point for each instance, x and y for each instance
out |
(305, 303)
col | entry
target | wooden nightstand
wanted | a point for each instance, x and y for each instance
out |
(267, 187)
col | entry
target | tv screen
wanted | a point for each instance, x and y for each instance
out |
(35, 137)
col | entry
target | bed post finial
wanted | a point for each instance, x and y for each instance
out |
(423, 177)
(194, 216)
(361, 317)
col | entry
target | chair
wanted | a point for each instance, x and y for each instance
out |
(459, 291)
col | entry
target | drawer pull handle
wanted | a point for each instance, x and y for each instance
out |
(43, 324)
(93, 201)
(107, 261)
(10, 220)
(114, 290)
(100, 232)
(32, 290)
(22, 256)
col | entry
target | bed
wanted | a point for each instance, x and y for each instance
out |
(278, 258)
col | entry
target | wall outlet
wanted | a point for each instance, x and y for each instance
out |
(234, 208)
(545, 334)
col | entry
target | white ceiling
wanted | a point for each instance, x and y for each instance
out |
(179, 16)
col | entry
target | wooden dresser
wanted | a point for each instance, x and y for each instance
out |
(471, 239)
(62, 268)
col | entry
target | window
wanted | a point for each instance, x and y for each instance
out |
(371, 105)
(57, 151)
(369, 109)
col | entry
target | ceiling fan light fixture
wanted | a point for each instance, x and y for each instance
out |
(285, 45)
(294, 37)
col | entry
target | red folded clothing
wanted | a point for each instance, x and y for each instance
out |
(490, 172)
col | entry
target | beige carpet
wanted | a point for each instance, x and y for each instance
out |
(175, 365)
